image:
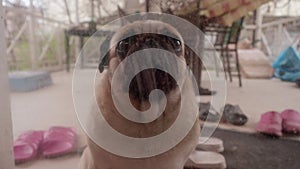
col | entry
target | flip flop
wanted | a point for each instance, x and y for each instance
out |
(206, 159)
(58, 141)
(291, 121)
(208, 113)
(27, 145)
(270, 123)
(234, 115)
(210, 144)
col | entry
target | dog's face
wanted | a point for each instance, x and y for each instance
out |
(131, 39)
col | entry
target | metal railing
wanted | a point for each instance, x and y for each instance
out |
(34, 42)
(277, 35)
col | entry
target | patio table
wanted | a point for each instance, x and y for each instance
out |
(82, 33)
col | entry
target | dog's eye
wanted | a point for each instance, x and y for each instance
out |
(177, 45)
(122, 48)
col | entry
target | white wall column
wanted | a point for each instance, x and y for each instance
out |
(6, 135)
(258, 30)
(32, 38)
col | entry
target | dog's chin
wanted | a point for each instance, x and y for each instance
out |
(147, 80)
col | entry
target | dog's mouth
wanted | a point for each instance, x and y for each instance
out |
(147, 80)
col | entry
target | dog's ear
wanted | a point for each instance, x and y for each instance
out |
(187, 53)
(104, 62)
(104, 54)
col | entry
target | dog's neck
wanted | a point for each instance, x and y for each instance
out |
(132, 129)
(97, 158)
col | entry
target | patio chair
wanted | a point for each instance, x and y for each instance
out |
(218, 34)
(226, 42)
(231, 47)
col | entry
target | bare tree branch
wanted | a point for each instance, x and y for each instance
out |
(68, 11)
(99, 8)
(77, 11)
(104, 8)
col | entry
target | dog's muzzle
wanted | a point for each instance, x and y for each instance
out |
(147, 80)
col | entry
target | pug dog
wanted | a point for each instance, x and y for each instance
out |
(161, 36)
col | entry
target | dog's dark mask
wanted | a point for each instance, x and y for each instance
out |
(134, 43)
(147, 80)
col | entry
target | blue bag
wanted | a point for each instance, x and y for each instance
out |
(287, 65)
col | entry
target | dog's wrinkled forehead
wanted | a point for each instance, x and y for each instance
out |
(148, 26)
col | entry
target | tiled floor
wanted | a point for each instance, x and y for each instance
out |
(53, 105)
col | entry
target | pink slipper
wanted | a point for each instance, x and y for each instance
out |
(58, 141)
(290, 121)
(270, 123)
(27, 145)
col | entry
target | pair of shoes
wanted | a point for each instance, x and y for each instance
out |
(207, 154)
(274, 123)
(52, 143)
(233, 114)
(208, 113)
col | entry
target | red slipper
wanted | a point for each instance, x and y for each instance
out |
(58, 141)
(27, 145)
(290, 121)
(270, 123)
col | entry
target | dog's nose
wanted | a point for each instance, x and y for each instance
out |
(151, 43)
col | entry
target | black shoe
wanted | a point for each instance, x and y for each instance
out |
(203, 91)
(208, 113)
(233, 114)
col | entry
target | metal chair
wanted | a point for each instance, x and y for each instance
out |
(218, 35)
(231, 47)
(226, 42)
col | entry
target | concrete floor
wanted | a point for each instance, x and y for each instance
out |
(43, 108)
(53, 105)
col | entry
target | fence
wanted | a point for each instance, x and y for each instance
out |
(277, 35)
(35, 42)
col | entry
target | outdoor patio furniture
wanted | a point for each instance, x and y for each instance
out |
(25, 81)
(190, 11)
(225, 12)
(255, 64)
(225, 40)
(217, 34)
(82, 32)
(231, 47)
